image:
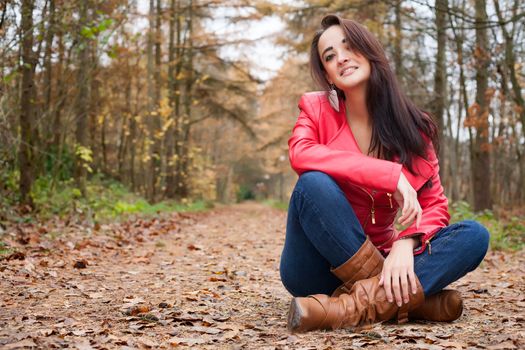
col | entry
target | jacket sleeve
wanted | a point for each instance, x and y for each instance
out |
(306, 153)
(434, 204)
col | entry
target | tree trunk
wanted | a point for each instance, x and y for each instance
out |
(174, 95)
(48, 70)
(458, 39)
(440, 77)
(481, 154)
(182, 184)
(510, 62)
(27, 118)
(398, 48)
(82, 101)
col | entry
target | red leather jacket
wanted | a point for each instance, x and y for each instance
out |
(323, 141)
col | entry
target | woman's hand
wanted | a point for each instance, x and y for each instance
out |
(398, 271)
(406, 197)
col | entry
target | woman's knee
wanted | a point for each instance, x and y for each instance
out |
(315, 181)
(479, 236)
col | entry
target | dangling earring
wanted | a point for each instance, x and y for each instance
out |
(332, 97)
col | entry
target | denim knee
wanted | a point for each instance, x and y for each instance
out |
(313, 181)
(479, 236)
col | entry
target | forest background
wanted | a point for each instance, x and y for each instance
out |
(115, 107)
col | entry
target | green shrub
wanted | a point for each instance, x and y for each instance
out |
(504, 234)
(244, 193)
(274, 203)
(105, 199)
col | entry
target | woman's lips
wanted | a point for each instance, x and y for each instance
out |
(348, 71)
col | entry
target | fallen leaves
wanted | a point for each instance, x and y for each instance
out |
(135, 310)
(223, 292)
(80, 264)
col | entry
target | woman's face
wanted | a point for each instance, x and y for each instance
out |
(344, 67)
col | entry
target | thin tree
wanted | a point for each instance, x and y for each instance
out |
(82, 100)
(480, 155)
(26, 154)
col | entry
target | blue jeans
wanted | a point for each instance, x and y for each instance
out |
(323, 232)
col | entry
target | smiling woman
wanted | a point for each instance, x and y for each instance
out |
(363, 151)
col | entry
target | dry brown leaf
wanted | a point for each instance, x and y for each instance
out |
(135, 310)
(26, 343)
(508, 345)
(148, 342)
(80, 264)
(175, 341)
(452, 344)
(207, 330)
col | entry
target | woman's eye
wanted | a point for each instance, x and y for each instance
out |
(328, 58)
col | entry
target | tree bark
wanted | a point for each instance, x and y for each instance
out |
(440, 77)
(398, 38)
(182, 182)
(174, 67)
(510, 62)
(82, 100)
(481, 154)
(27, 119)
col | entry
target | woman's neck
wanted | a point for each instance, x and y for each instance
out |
(356, 108)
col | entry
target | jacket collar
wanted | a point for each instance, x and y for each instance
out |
(423, 168)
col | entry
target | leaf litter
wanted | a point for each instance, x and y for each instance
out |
(209, 280)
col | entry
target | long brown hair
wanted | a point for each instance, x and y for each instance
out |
(397, 122)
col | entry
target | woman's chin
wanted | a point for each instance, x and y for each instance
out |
(350, 84)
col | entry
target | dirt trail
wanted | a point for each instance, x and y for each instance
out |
(210, 280)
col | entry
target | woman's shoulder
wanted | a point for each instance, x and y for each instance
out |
(313, 100)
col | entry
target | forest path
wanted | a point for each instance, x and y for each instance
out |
(210, 280)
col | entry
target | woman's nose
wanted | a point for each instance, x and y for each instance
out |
(343, 57)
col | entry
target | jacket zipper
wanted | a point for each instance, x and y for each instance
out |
(429, 246)
(373, 209)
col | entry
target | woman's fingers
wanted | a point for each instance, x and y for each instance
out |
(413, 211)
(413, 283)
(396, 288)
(387, 285)
(406, 208)
(404, 287)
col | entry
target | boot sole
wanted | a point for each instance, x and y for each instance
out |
(295, 315)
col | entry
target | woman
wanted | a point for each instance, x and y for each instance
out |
(363, 150)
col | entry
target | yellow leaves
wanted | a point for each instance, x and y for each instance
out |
(181, 76)
(164, 109)
(85, 155)
(167, 124)
(100, 119)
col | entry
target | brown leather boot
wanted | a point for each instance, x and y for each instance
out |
(365, 304)
(365, 263)
(445, 306)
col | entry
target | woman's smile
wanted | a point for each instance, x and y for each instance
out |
(348, 70)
